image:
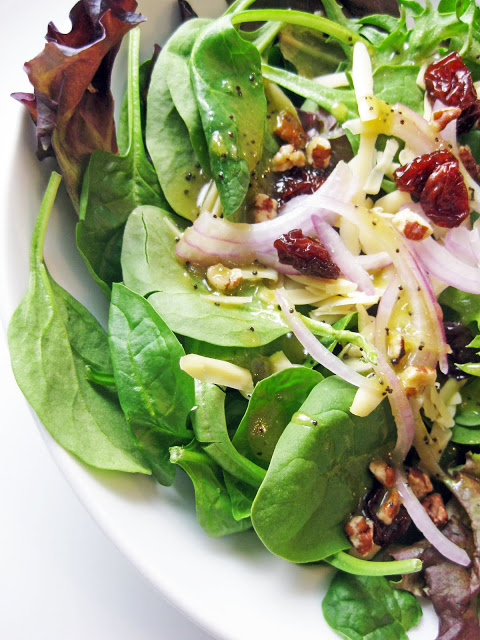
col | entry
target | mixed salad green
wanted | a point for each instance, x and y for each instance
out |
(284, 223)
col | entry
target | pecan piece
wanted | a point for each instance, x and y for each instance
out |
(419, 482)
(433, 505)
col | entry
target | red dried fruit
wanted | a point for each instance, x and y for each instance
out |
(413, 176)
(306, 255)
(450, 81)
(444, 198)
(298, 182)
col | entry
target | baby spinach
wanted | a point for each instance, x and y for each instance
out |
(168, 140)
(155, 394)
(210, 429)
(176, 54)
(113, 186)
(465, 305)
(319, 472)
(241, 495)
(151, 268)
(212, 501)
(52, 337)
(227, 78)
(272, 405)
(367, 607)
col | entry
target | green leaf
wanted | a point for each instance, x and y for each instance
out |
(468, 412)
(466, 305)
(265, 421)
(399, 84)
(151, 268)
(309, 52)
(368, 608)
(212, 501)
(52, 337)
(113, 186)
(341, 103)
(155, 394)
(210, 429)
(176, 58)
(227, 78)
(318, 473)
(168, 138)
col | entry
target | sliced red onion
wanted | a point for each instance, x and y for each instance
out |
(316, 349)
(401, 409)
(457, 242)
(374, 261)
(341, 183)
(342, 257)
(474, 238)
(414, 130)
(422, 521)
(444, 266)
(384, 312)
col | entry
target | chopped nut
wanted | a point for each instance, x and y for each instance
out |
(415, 379)
(265, 208)
(389, 507)
(433, 505)
(442, 117)
(290, 130)
(396, 348)
(419, 483)
(287, 157)
(319, 152)
(222, 278)
(383, 472)
(469, 163)
(412, 225)
(360, 533)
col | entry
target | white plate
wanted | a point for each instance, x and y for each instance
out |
(232, 587)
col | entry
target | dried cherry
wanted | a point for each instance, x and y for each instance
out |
(298, 182)
(450, 81)
(384, 534)
(306, 255)
(413, 176)
(444, 197)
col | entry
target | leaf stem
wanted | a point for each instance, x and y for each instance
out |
(267, 36)
(38, 238)
(134, 112)
(238, 6)
(102, 378)
(302, 19)
(342, 335)
(349, 564)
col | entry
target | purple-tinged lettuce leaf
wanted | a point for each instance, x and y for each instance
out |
(452, 589)
(72, 105)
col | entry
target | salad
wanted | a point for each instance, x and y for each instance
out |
(284, 221)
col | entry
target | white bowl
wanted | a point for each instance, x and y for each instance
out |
(232, 587)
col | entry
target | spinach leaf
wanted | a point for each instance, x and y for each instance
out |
(52, 337)
(309, 52)
(272, 405)
(468, 412)
(210, 429)
(318, 472)
(169, 144)
(151, 268)
(241, 495)
(361, 607)
(155, 394)
(176, 54)
(227, 78)
(465, 305)
(399, 84)
(113, 186)
(212, 501)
